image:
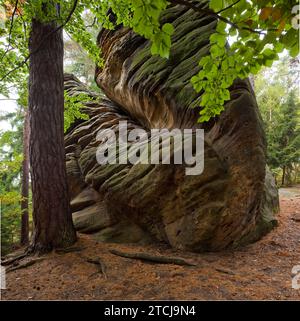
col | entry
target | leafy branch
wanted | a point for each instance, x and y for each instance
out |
(229, 7)
(10, 31)
(218, 16)
(24, 62)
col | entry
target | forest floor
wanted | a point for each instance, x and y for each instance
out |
(261, 271)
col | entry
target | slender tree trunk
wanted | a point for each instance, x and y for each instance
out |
(288, 175)
(25, 183)
(283, 176)
(53, 226)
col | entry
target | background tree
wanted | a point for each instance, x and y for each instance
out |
(279, 104)
(285, 138)
(77, 60)
(25, 183)
(10, 170)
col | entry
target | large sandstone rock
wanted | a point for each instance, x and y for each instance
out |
(231, 203)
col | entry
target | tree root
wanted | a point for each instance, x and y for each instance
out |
(100, 264)
(24, 265)
(153, 258)
(14, 259)
(224, 271)
(70, 250)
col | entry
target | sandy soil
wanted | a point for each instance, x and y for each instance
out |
(260, 271)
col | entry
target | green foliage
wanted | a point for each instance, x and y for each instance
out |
(146, 22)
(78, 63)
(284, 135)
(280, 108)
(10, 168)
(10, 221)
(80, 34)
(143, 16)
(73, 109)
(258, 31)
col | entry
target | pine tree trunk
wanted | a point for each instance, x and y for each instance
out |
(25, 183)
(53, 226)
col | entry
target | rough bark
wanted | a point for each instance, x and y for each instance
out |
(231, 203)
(25, 183)
(53, 227)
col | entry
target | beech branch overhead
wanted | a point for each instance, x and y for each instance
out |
(10, 30)
(218, 16)
(232, 5)
(259, 34)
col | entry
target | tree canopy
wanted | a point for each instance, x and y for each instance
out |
(256, 31)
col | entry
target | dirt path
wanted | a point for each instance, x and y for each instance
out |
(290, 192)
(259, 271)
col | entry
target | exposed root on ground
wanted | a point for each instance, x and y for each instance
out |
(25, 264)
(14, 259)
(153, 258)
(70, 250)
(101, 266)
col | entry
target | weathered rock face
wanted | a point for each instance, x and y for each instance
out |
(231, 203)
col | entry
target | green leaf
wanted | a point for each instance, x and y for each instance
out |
(204, 118)
(215, 51)
(216, 5)
(168, 28)
(219, 39)
(232, 31)
(268, 52)
(221, 27)
(294, 51)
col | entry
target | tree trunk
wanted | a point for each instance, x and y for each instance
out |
(288, 175)
(25, 183)
(53, 226)
(283, 176)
